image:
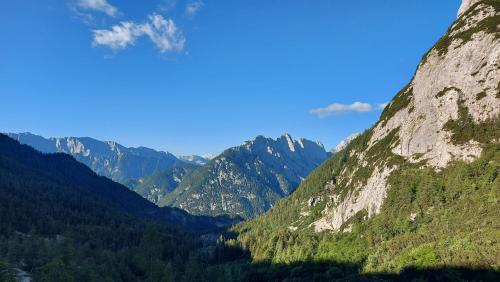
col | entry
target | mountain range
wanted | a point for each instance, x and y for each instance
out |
(243, 181)
(150, 173)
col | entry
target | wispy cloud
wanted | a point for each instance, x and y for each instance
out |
(162, 32)
(192, 8)
(338, 108)
(99, 6)
(167, 5)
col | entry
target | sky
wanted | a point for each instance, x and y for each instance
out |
(197, 77)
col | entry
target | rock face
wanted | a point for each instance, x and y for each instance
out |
(247, 180)
(158, 185)
(108, 159)
(448, 112)
(466, 4)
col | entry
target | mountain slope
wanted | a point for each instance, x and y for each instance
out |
(64, 170)
(108, 159)
(59, 221)
(158, 185)
(247, 180)
(422, 187)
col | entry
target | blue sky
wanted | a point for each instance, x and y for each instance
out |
(195, 77)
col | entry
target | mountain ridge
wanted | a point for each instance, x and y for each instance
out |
(107, 158)
(246, 180)
(67, 171)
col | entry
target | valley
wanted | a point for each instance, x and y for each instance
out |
(414, 197)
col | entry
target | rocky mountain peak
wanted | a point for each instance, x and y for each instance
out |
(247, 180)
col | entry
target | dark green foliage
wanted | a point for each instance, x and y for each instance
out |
(399, 102)
(465, 128)
(445, 90)
(480, 95)
(429, 219)
(58, 223)
(158, 185)
(6, 272)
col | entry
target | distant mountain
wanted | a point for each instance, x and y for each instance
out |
(343, 144)
(197, 160)
(59, 221)
(106, 158)
(78, 179)
(247, 180)
(156, 186)
(151, 173)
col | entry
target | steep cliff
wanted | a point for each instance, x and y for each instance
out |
(402, 190)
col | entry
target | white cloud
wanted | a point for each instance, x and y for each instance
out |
(119, 37)
(98, 5)
(162, 32)
(193, 8)
(337, 108)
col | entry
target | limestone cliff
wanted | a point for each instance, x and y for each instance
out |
(447, 112)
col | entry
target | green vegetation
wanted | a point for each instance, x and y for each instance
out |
(158, 185)
(465, 129)
(445, 90)
(481, 95)
(399, 102)
(429, 219)
(246, 180)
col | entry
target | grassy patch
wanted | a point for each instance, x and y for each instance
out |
(445, 90)
(464, 128)
(400, 101)
(480, 95)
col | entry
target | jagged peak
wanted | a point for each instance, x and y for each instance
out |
(289, 140)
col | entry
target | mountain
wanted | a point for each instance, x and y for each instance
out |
(421, 188)
(158, 185)
(64, 170)
(247, 180)
(108, 159)
(59, 221)
(150, 173)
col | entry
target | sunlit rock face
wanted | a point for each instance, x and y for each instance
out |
(455, 88)
(106, 158)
